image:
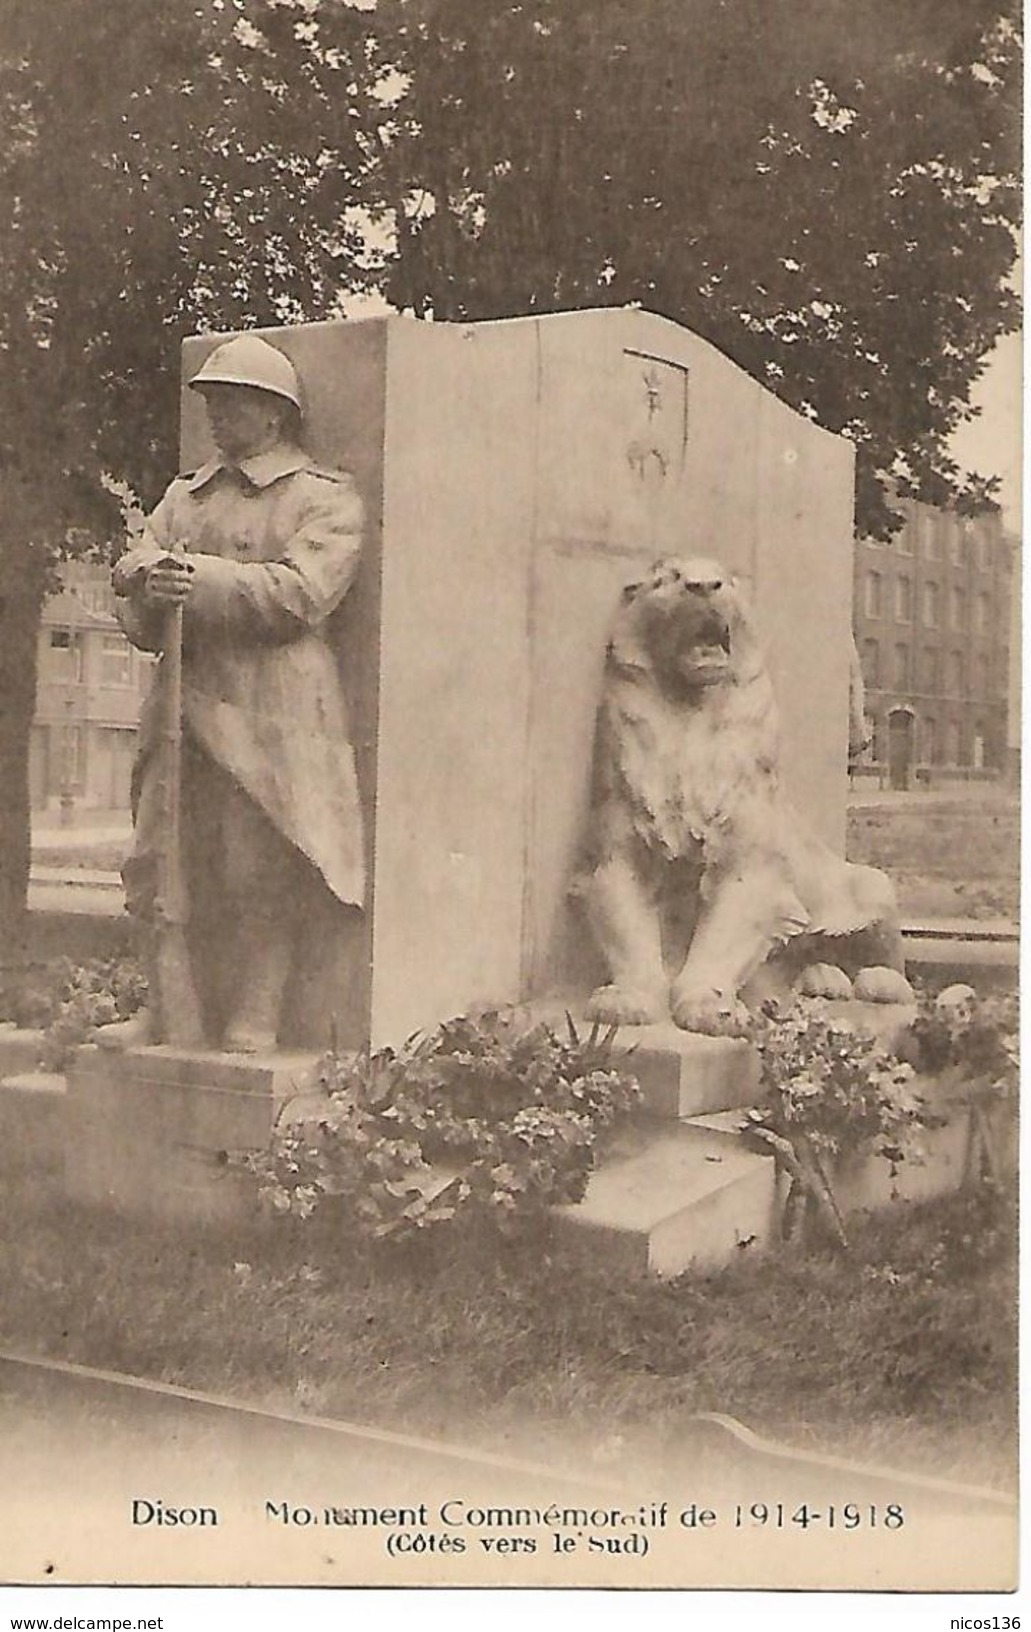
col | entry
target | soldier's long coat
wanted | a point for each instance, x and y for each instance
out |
(274, 544)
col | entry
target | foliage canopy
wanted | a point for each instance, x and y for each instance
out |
(826, 189)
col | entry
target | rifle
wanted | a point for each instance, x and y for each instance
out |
(177, 1009)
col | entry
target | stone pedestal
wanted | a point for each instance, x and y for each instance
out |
(685, 1190)
(680, 1073)
(32, 1122)
(516, 475)
(20, 1048)
(673, 1197)
(678, 1189)
(147, 1131)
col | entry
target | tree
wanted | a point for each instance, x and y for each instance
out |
(156, 179)
(828, 190)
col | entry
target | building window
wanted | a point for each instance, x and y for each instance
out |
(905, 537)
(115, 661)
(871, 664)
(954, 747)
(984, 550)
(956, 545)
(64, 660)
(931, 606)
(95, 597)
(874, 598)
(930, 742)
(984, 613)
(901, 667)
(903, 600)
(930, 669)
(956, 674)
(984, 676)
(958, 607)
(73, 758)
(929, 535)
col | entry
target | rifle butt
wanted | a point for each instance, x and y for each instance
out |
(180, 1018)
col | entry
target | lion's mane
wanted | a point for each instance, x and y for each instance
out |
(691, 772)
(688, 829)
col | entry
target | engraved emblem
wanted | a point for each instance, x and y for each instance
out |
(658, 418)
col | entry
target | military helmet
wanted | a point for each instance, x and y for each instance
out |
(249, 360)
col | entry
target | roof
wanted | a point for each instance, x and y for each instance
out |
(65, 610)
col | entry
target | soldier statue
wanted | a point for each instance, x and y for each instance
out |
(257, 548)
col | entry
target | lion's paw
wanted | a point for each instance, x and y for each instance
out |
(823, 980)
(711, 1012)
(624, 1006)
(879, 984)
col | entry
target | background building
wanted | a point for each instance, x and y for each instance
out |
(91, 688)
(932, 614)
(935, 614)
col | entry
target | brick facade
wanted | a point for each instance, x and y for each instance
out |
(932, 614)
(91, 687)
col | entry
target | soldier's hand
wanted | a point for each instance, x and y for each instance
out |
(170, 581)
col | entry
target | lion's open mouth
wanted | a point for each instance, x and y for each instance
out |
(689, 640)
(706, 665)
(713, 650)
(707, 656)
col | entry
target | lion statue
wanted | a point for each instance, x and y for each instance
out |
(699, 875)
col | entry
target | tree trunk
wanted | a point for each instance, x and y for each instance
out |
(22, 590)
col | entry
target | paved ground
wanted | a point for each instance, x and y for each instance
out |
(103, 826)
(111, 831)
(100, 900)
(863, 796)
(164, 1450)
(70, 884)
(129, 1445)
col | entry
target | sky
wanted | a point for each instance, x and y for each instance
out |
(991, 444)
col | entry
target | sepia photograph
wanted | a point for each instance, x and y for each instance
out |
(510, 762)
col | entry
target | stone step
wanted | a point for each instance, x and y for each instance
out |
(278, 1073)
(680, 1073)
(20, 1049)
(684, 1075)
(938, 1164)
(147, 1130)
(667, 1198)
(32, 1106)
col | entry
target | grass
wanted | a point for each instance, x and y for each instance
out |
(949, 857)
(903, 1352)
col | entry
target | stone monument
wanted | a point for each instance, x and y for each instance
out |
(513, 476)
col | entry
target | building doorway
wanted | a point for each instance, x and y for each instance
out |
(39, 766)
(900, 748)
(116, 749)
